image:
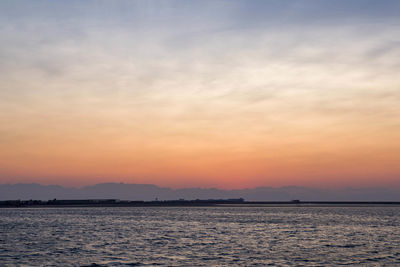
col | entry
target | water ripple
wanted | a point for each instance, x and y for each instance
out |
(189, 236)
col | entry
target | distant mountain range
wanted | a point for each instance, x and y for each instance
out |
(151, 192)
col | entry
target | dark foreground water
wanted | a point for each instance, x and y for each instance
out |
(190, 236)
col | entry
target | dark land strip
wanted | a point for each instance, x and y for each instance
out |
(186, 203)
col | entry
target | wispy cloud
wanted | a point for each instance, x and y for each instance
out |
(190, 78)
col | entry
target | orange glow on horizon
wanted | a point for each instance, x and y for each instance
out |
(162, 97)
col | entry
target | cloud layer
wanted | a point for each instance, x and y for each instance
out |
(226, 93)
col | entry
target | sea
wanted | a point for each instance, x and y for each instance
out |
(200, 236)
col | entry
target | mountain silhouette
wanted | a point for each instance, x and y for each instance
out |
(151, 192)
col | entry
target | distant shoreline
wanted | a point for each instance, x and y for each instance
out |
(188, 203)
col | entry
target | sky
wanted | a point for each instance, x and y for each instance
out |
(226, 94)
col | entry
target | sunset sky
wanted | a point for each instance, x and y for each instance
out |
(227, 94)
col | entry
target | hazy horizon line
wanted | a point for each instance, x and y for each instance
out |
(210, 187)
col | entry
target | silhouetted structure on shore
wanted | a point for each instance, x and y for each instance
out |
(180, 203)
(117, 202)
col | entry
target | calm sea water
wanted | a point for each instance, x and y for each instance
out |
(190, 236)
